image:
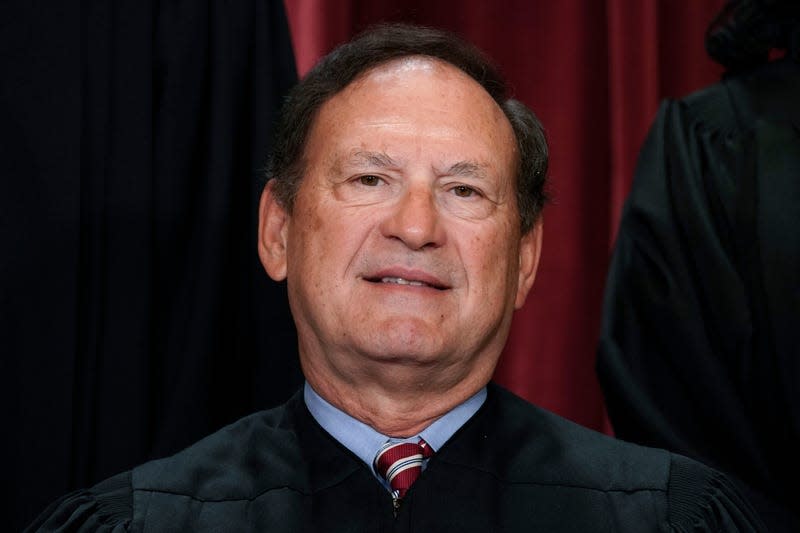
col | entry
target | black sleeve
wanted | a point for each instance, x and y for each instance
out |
(676, 339)
(106, 507)
(701, 499)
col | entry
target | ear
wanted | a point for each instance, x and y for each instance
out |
(530, 247)
(273, 224)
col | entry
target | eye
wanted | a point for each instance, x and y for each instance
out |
(369, 180)
(463, 191)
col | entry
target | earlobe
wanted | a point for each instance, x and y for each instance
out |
(530, 248)
(273, 223)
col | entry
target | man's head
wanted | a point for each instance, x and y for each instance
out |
(381, 45)
(400, 235)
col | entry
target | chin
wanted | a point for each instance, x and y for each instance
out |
(414, 343)
(412, 354)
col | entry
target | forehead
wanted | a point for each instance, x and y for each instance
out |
(411, 99)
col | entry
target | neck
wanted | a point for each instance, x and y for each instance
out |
(396, 408)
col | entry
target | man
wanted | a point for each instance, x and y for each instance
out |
(403, 211)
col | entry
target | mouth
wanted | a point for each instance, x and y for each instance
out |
(416, 281)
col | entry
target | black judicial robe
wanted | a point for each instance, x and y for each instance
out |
(700, 342)
(512, 467)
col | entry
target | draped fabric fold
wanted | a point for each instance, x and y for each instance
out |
(699, 345)
(134, 314)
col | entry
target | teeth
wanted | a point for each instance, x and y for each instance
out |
(401, 281)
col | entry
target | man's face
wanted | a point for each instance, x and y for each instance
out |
(403, 249)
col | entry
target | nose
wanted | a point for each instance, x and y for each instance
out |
(415, 220)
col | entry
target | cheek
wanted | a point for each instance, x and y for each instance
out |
(304, 247)
(327, 242)
(494, 262)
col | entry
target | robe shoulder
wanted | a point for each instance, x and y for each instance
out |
(240, 462)
(537, 447)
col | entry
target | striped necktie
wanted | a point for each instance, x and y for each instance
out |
(400, 464)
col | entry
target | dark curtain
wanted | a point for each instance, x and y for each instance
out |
(594, 72)
(134, 314)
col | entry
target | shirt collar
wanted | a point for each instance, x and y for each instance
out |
(364, 442)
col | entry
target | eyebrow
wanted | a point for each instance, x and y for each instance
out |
(372, 159)
(467, 169)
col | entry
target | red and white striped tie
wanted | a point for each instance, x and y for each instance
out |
(400, 464)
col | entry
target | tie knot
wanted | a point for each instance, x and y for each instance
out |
(401, 463)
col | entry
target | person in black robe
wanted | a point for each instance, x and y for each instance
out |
(512, 467)
(404, 211)
(699, 343)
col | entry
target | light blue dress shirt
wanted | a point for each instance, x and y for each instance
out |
(365, 442)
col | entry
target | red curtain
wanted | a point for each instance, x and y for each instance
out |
(594, 72)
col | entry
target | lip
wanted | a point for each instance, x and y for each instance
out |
(429, 281)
